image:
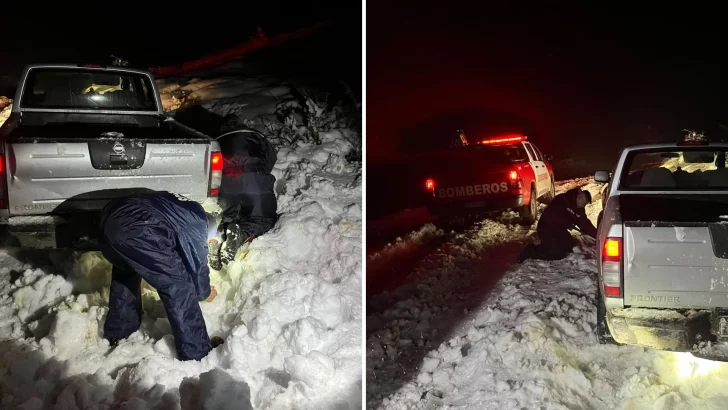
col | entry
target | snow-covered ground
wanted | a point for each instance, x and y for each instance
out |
(471, 329)
(289, 307)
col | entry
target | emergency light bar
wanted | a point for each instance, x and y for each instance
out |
(508, 139)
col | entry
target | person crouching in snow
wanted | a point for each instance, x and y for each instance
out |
(161, 238)
(565, 211)
(246, 196)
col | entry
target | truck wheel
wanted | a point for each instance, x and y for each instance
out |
(552, 192)
(528, 212)
(599, 218)
(603, 334)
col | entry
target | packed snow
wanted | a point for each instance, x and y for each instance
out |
(289, 306)
(6, 104)
(471, 329)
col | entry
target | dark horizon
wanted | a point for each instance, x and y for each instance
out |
(585, 82)
(174, 36)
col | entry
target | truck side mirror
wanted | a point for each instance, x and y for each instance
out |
(601, 176)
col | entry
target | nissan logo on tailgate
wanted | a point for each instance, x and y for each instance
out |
(119, 149)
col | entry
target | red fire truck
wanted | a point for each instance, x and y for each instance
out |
(495, 174)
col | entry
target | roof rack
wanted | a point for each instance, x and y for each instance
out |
(694, 138)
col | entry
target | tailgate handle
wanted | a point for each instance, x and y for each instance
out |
(118, 159)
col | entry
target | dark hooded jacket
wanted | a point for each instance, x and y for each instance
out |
(184, 217)
(247, 194)
(563, 214)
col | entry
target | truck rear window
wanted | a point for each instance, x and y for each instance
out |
(88, 89)
(502, 153)
(694, 168)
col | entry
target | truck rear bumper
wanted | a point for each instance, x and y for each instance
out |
(667, 329)
(473, 206)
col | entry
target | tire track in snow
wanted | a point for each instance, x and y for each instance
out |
(419, 315)
(387, 268)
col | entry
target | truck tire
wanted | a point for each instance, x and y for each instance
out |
(552, 192)
(603, 335)
(528, 212)
(599, 218)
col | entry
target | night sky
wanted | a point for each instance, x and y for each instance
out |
(582, 82)
(150, 35)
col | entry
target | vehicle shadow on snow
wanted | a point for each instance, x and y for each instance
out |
(400, 333)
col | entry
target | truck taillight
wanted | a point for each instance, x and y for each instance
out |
(612, 267)
(215, 172)
(216, 161)
(514, 178)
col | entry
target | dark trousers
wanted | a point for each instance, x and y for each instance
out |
(556, 243)
(248, 199)
(147, 250)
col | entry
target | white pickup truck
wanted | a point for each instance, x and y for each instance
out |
(80, 136)
(663, 248)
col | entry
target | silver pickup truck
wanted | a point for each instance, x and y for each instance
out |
(80, 136)
(663, 247)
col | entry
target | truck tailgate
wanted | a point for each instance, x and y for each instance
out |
(462, 175)
(84, 175)
(668, 264)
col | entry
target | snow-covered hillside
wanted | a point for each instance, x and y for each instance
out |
(289, 311)
(471, 329)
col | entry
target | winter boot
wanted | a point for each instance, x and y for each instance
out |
(527, 253)
(234, 238)
(213, 255)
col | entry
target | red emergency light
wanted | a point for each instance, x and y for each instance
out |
(430, 184)
(506, 139)
(216, 160)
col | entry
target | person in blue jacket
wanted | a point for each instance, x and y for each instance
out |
(162, 238)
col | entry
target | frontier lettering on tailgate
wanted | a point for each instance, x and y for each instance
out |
(470, 190)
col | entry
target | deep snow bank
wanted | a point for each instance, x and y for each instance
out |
(529, 344)
(289, 310)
